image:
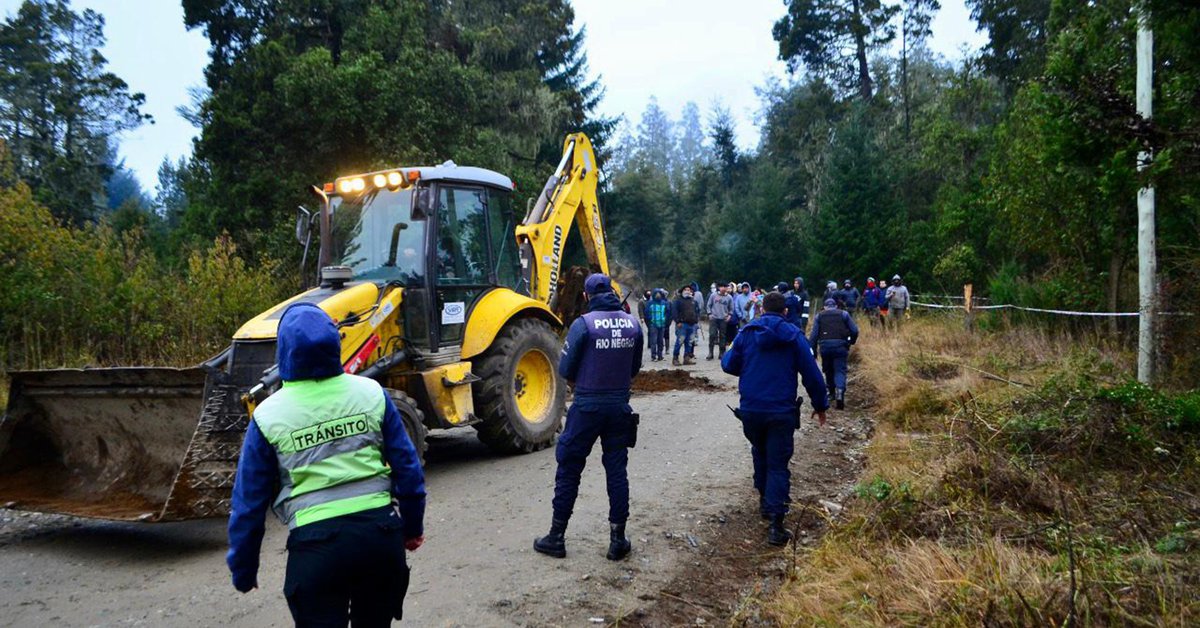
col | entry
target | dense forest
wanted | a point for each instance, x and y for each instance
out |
(1013, 167)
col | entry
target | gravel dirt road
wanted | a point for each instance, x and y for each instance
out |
(690, 469)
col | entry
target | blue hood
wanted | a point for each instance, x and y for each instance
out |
(309, 346)
(604, 302)
(772, 330)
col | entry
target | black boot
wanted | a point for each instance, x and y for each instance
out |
(841, 398)
(777, 534)
(618, 546)
(553, 544)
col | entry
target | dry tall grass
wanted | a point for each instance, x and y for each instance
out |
(1003, 487)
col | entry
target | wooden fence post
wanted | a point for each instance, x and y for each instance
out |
(968, 306)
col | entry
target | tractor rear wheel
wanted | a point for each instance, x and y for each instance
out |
(414, 421)
(521, 398)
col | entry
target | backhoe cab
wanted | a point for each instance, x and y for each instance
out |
(440, 293)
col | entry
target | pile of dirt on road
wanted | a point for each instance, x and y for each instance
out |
(673, 379)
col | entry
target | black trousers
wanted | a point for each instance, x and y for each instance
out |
(615, 426)
(348, 569)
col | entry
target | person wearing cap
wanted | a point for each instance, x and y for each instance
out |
(329, 454)
(833, 333)
(766, 356)
(872, 300)
(849, 296)
(832, 292)
(602, 353)
(687, 317)
(896, 299)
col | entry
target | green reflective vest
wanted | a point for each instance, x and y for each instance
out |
(327, 435)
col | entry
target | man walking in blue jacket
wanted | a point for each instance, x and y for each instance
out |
(833, 332)
(766, 356)
(328, 453)
(602, 353)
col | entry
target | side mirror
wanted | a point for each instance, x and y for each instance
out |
(304, 220)
(422, 204)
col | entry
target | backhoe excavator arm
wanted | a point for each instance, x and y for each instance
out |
(569, 195)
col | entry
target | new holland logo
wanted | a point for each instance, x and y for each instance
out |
(556, 249)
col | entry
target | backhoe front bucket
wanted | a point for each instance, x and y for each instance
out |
(133, 444)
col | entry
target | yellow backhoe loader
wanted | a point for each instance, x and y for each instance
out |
(439, 291)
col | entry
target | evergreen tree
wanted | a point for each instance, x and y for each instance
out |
(171, 199)
(301, 91)
(689, 143)
(723, 134)
(917, 15)
(835, 38)
(654, 142)
(1017, 37)
(60, 109)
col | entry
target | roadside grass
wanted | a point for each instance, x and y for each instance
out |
(1016, 477)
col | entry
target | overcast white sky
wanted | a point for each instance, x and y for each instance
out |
(677, 50)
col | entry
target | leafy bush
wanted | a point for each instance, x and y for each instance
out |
(1169, 411)
(92, 296)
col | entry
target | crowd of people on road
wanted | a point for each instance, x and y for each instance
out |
(729, 307)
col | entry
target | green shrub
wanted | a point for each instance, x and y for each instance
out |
(1165, 410)
(93, 296)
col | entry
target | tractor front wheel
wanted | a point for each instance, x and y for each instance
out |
(414, 421)
(521, 399)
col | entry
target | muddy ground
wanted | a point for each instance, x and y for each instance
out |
(699, 551)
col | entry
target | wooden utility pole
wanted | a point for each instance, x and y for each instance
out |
(1147, 258)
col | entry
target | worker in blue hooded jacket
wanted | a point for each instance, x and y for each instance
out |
(766, 356)
(328, 453)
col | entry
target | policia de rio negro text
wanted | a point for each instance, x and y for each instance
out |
(315, 452)
(603, 352)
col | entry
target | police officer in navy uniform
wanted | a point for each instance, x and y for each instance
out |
(766, 356)
(602, 353)
(833, 333)
(329, 454)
